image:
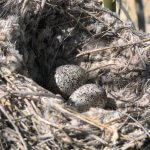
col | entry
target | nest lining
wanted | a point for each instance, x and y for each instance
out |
(36, 38)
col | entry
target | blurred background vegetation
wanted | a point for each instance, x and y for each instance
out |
(136, 10)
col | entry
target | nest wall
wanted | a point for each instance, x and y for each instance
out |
(37, 36)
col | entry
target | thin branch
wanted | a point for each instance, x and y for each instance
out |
(15, 127)
(111, 47)
(79, 23)
(82, 117)
(136, 122)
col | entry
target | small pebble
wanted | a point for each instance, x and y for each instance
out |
(88, 95)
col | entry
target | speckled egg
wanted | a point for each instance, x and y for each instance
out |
(68, 78)
(88, 95)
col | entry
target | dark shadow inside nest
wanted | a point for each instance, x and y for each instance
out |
(51, 38)
(47, 40)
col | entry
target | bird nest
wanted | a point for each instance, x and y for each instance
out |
(36, 36)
